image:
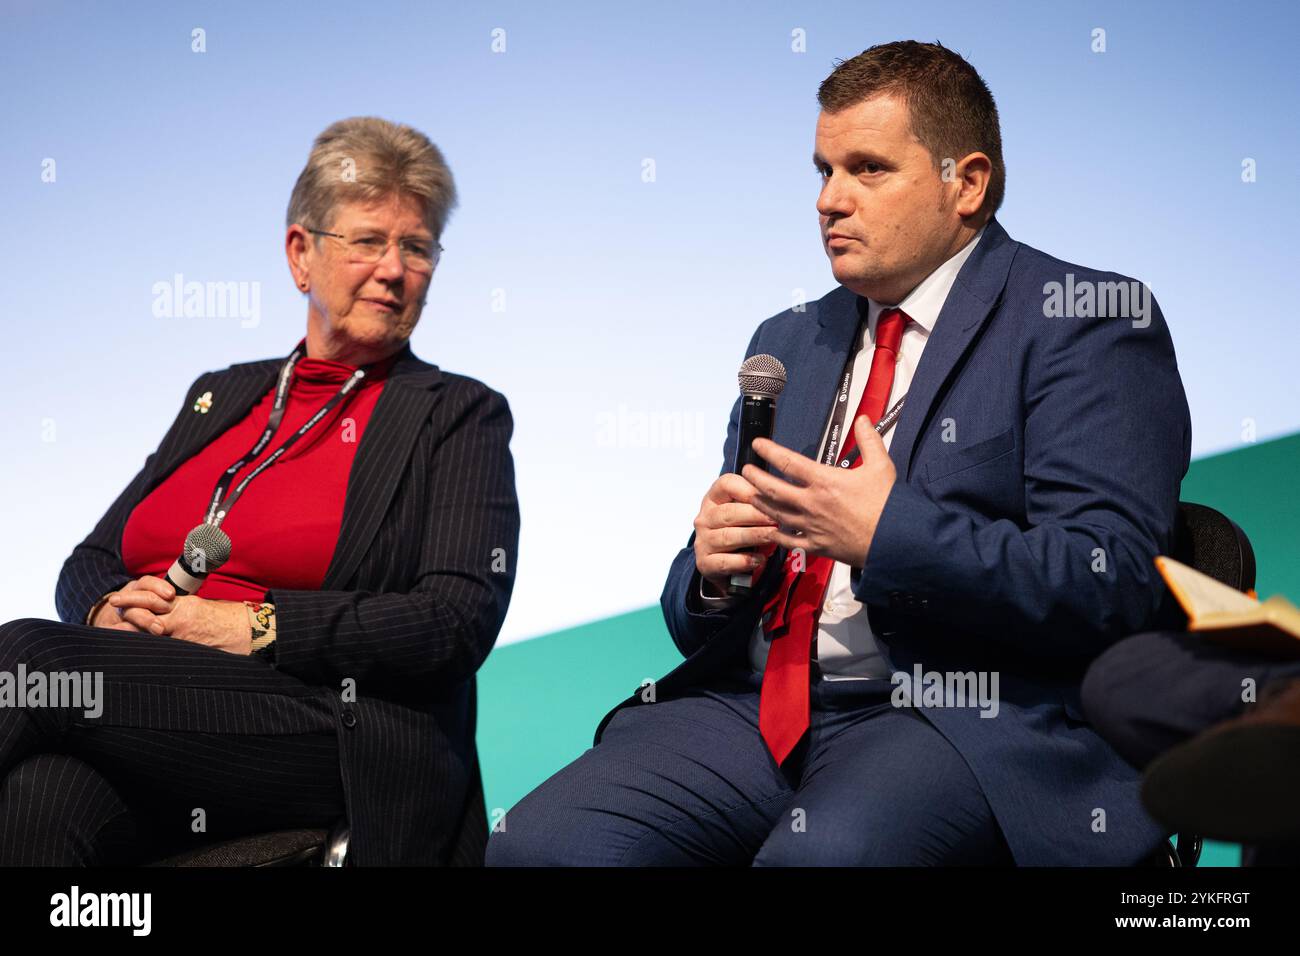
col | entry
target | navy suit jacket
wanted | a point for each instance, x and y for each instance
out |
(412, 601)
(1038, 467)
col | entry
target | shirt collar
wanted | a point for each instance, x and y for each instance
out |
(924, 302)
(314, 366)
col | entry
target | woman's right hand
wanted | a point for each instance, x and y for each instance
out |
(133, 607)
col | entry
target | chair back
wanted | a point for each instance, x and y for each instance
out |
(1210, 541)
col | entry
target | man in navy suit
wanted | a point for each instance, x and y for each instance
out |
(901, 684)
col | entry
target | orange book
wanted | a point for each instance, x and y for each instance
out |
(1228, 617)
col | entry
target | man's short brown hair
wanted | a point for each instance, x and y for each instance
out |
(951, 110)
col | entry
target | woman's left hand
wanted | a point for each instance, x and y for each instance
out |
(219, 624)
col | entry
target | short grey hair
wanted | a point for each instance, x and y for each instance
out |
(364, 159)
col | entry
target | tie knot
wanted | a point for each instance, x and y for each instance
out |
(889, 329)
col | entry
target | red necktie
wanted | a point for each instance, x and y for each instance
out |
(793, 611)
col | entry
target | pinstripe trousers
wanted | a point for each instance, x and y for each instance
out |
(185, 745)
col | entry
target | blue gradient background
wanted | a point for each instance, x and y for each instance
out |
(622, 298)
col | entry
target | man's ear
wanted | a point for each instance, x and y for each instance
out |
(976, 173)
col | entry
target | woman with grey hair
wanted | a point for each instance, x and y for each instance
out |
(346, 525)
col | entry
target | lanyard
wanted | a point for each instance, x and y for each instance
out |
(219, 505)
(831, 448)
(776, 610)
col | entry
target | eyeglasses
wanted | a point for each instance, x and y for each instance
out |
(418, 255)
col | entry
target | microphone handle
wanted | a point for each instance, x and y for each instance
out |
(179, 577)
(757, 420)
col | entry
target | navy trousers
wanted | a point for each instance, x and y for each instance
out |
(193, 745)
(689, 781)
(1153, 691)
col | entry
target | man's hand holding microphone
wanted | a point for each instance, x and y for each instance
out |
(733, 539)
(727, 527)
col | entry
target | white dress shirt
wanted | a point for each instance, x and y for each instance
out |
(846, 648)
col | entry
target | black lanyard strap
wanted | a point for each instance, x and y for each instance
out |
(882, 426)
(220, 504)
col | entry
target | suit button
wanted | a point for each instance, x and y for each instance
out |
(895, 599)
(349, 719)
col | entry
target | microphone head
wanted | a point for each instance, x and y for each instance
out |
(762, 375)
(207, 548)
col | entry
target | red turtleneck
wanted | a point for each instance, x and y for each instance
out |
(285, 526)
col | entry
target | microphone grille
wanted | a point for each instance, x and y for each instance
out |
(762, 375)
(212, 542)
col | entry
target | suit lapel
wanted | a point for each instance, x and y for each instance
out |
(970, 302)
(381, 460)
(233, 393)
(815, 365)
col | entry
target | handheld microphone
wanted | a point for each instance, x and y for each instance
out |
(207, 548)
(762, 379)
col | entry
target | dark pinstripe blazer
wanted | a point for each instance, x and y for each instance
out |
(410, 606)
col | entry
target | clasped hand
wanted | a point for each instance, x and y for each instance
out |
(151, 605)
